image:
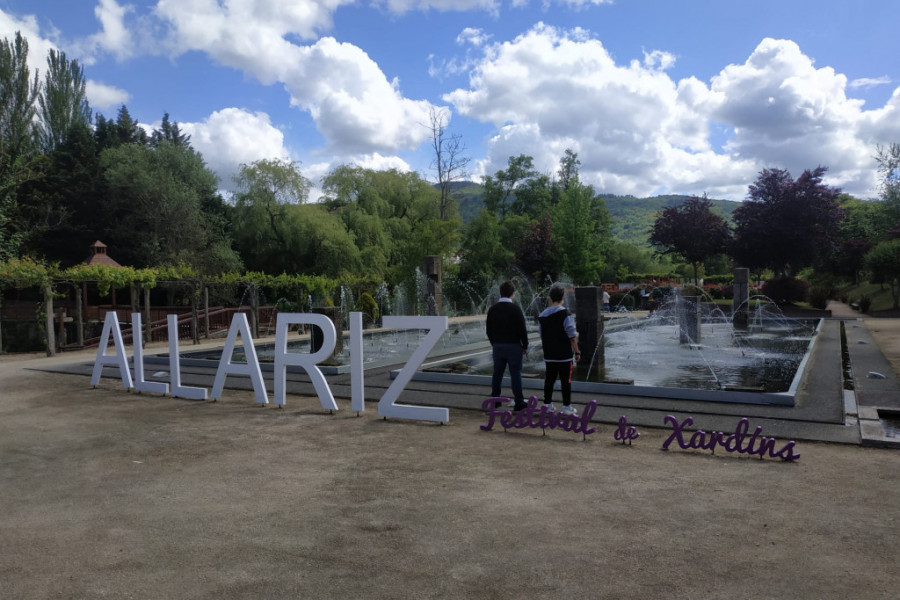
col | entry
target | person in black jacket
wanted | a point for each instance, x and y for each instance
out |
(509, 343)
(560, 343)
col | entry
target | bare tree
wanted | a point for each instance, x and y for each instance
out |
(449, 162)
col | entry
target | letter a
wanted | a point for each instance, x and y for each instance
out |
(111, 326)
(251, 368)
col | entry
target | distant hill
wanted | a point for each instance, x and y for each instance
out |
(469, 197)
(632, 217)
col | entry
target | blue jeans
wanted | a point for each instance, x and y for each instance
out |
(507, 355)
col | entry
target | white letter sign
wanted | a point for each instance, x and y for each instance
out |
(181, 391)
(111, 326)
(141, 384)
(387, 406)
(308, 361)
(251, 369)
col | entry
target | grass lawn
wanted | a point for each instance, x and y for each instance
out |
(881, 298)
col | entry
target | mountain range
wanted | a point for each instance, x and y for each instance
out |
(632, 217)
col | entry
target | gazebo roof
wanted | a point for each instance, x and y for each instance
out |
(99, 256)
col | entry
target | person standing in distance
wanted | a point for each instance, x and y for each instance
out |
(560, 341)
(509, 343)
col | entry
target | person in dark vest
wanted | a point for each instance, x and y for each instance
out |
(560, 341)
(509, 343)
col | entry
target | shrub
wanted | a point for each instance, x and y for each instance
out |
(661, 292)
(367, 306)
(286, 306)
(865, 302)
(785, 290)
(818, 296)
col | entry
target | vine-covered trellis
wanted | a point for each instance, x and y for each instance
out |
(298, 291)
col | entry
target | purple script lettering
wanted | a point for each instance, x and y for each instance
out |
(625, 431)
(534, 417)
(702, 440)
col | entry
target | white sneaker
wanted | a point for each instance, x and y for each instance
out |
(550, 407)
(569, 411)
(511, 404)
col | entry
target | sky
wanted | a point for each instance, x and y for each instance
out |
(655, 96)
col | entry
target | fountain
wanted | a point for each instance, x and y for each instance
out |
(433, 296)
(683, 350)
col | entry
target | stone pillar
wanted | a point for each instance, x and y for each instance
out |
(431, 268)
(688, 310)
(48, 320)
(254, 311)
(148, 325)
(195, 314)
(316, 338)
(205, 311)
(589, 323)
(79, 318)
(61, 339)
(740, 304)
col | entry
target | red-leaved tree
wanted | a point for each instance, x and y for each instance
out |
(786, 224)
(690, 230)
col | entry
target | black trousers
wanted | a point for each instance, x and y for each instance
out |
(563, 371)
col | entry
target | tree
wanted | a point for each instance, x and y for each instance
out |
(18, 93)
(883, 264)
(691, 231)
(786, 224)
(450, 162)
(155, 199)
(535, 249)
(503, 185)
(270, 185)
(863, 225)
(580, 224)
(170, 132)
(623, 260)
(392, 216)
(483, 255)
(63, 101)
(888, 160)
(568, 169)
(276, 232)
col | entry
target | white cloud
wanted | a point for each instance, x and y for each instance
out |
(473, 36)
(100, 95)
(638, 131)
(38, 45)
(788, 114)
(352, 102)
(105, 97)
(549, 90)
(658, 59)
(114, 36)
(576, 4)
(233, 136)
(403, 6)
(868, 82)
